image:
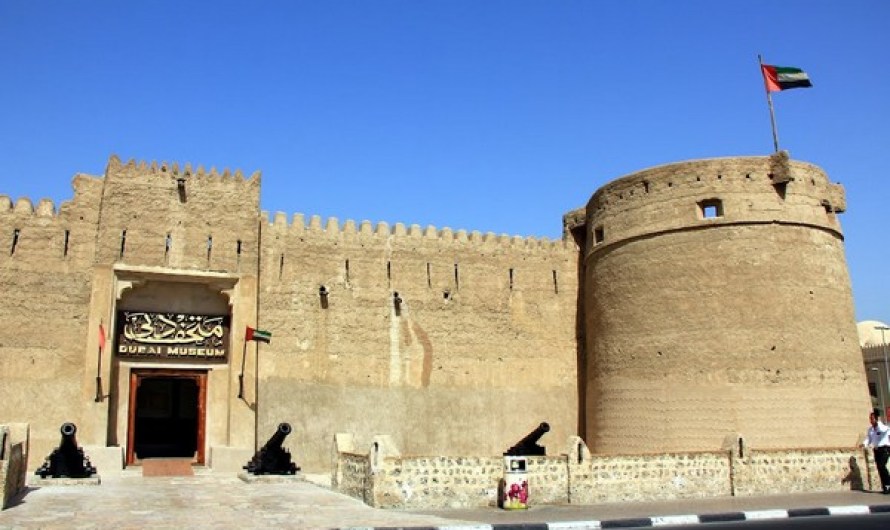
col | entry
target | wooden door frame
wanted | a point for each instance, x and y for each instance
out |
(136, 377)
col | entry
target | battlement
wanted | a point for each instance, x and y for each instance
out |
(175, 170)
(713, 192)
(332, 228)
(25, 207)
(86, 194)
(713, 173)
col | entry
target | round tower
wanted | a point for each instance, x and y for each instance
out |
(717, 303)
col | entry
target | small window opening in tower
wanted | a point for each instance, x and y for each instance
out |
(511, 279)
(456, 277)
(346, 271)
(555, 283)
(599, 235)
(15, 240)
(280, 265)
(123, 244)
(646, 186)
(209, 248)
(710, 208)
(238, 252)
(168, 242)
(389, 273)
(429, 277)
(67, 241)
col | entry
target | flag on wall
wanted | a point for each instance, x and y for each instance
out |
(101, 337)
(258, 335)
(784, 77)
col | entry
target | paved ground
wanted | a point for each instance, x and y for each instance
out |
(209, 500)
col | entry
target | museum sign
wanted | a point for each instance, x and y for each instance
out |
(172, 335)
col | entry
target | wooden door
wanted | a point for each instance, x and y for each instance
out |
(149, 381)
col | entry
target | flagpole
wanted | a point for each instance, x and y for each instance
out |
(241, 375)
(256, 400)
(99, 363)
(769, 101)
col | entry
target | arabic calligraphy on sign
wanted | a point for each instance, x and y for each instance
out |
(143, 333)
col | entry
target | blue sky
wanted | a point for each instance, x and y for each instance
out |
(472, 114)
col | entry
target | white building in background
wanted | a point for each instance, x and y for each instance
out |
(873, 337)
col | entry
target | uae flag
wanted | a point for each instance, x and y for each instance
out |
(258, 335)
(784, 77)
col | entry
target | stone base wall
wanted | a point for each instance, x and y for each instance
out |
(649, 477)
(798, 471)
(429, 482)
(13, 461)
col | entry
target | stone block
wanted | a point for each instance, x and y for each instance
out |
(227, 459)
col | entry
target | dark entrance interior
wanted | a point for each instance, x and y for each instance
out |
(166, 422)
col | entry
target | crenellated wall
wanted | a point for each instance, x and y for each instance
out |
(717, 300)
(46, 267)
(480, 348)
(162, 215)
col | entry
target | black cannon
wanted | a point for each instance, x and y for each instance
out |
(528, 446)
(67, 460)
(272, 459)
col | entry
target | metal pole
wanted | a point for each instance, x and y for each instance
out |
(886, 369)
(879, 388)
(769, 101)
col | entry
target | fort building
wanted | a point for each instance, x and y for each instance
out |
(684, 304)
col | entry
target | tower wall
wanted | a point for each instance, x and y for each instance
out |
(718, 301)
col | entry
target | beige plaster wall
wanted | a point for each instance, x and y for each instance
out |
(45, 278)
(469, 363)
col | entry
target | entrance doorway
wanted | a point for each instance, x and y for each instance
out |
(167, 414)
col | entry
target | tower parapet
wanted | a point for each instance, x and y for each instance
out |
(721, 191)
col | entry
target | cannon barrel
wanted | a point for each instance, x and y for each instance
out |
(69, 441)
(280, 434)
(529, 444)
